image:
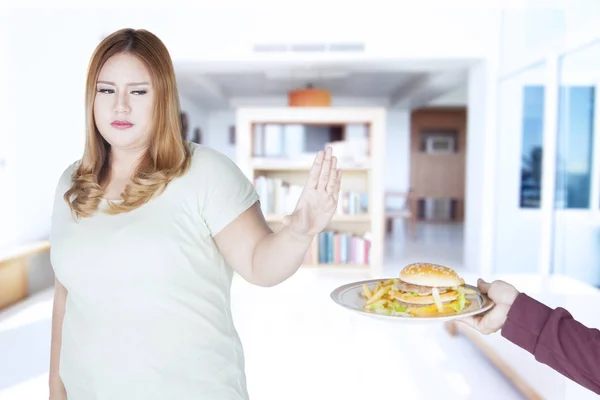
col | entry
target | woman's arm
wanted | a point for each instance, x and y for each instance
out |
(57, 389)
(256, 253)
(266, 258)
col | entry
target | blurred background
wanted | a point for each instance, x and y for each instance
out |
(470, 138)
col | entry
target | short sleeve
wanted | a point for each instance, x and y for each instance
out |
(226, 192)
(64, 184)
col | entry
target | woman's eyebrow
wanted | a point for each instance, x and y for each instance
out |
(129, 84)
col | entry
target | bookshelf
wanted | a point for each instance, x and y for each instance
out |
(276, 147)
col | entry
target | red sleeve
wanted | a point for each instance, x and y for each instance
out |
(555, 339)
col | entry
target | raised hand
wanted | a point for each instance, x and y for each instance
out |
(319, 198)
(503, 295)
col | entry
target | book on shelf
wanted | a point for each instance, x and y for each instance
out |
(333, 247)
(280, 197)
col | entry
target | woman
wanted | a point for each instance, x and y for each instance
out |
(551, 335)
(147, 232)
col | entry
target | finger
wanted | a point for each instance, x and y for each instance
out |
(336, 193)
(315, 171)
(332, 176)
(474, 322)
(325, 170)
(468, 321)
(483, 286)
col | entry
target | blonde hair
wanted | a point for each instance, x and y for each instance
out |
(167, 156)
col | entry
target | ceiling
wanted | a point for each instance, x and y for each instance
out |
(414, 84)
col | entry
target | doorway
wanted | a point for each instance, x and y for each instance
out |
(437, 164)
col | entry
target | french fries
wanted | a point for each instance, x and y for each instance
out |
(382, 300)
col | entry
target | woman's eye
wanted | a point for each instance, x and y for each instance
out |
(111, 91)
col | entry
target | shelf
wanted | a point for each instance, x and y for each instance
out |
(339, 266)
(259, 164)
(336, 218)
(364, 176)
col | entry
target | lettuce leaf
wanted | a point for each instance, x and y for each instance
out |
(398, 307)
(459, 304)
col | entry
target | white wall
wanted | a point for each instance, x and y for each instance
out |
(46, 65)
(197, 116)
(576, 244)
(582, 15)
(7, 183)
(477, 181)
(517, 230)
(397, 162)
(219, 123)
(480, 158)
(528, 33)
(387, 30)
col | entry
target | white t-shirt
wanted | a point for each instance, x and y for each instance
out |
(148, 311)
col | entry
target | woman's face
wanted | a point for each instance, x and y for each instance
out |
(124, 102)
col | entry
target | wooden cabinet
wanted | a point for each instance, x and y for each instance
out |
(14, 272)
(437, 163)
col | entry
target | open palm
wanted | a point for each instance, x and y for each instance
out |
(319, 198)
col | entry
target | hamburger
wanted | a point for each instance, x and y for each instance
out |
(430, 289)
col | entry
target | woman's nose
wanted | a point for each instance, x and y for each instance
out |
(122, 104)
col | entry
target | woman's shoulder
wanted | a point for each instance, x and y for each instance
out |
(65, 181)
(200, 151)
(214, 167)
(66, 177)
(206, 158)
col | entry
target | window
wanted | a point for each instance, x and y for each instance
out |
(532, 136)
(574, 146)
(574, 142)
(576, 228)
(521, 121)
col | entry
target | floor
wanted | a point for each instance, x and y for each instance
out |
(299, 345)
(437, 243)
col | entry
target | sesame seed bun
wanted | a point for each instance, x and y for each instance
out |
(433, 275)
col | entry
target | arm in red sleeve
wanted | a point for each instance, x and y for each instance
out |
(555, 339)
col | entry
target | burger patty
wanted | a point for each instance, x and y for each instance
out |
(421, 290)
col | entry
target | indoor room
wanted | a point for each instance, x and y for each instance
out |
(466, 137)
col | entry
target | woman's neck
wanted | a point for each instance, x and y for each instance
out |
(123, 163)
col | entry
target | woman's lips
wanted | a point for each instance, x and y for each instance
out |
(121, 124)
